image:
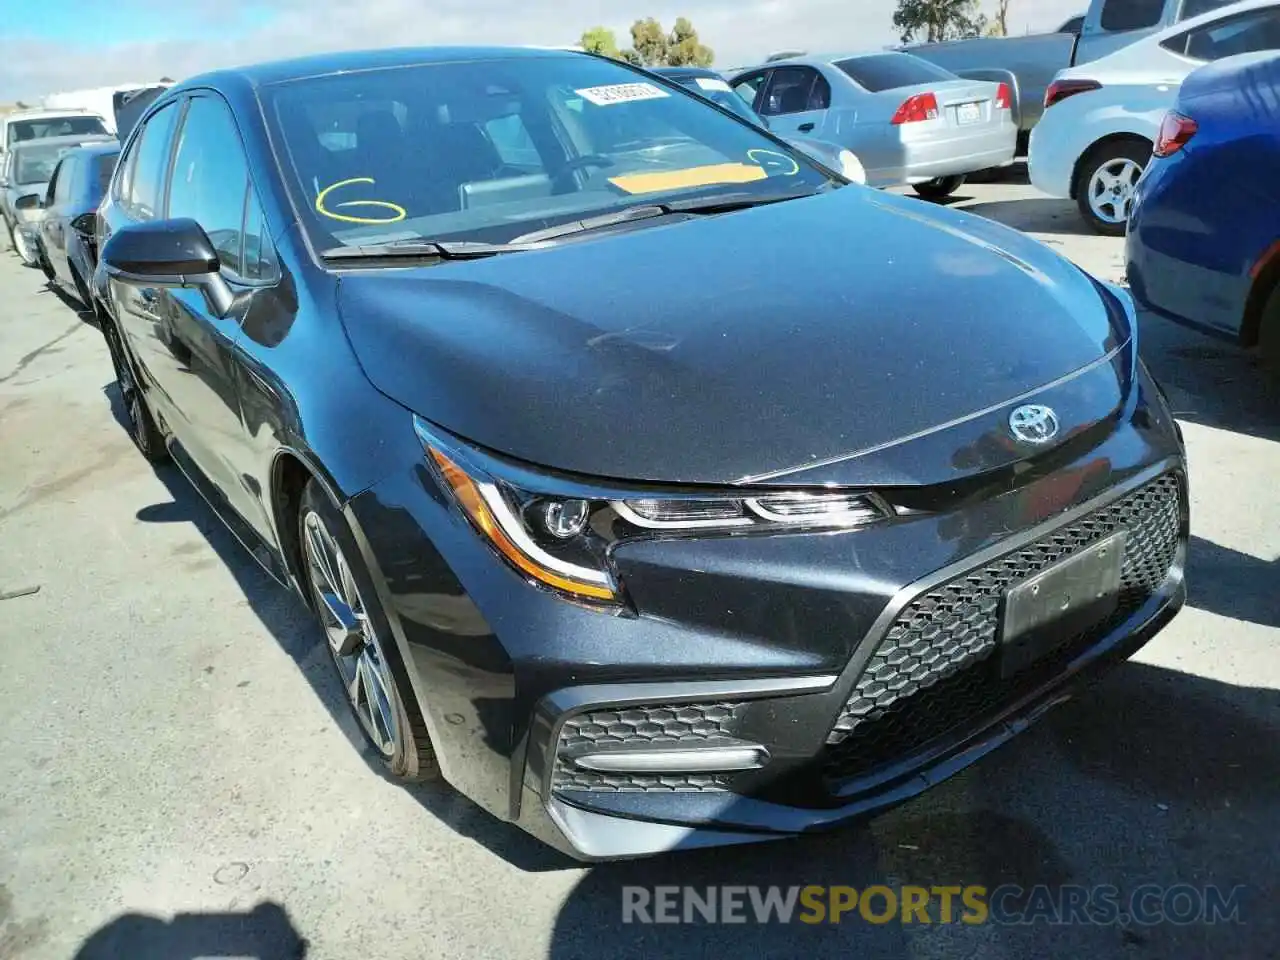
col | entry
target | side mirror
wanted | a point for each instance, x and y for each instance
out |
(30, 201)
(168, 253)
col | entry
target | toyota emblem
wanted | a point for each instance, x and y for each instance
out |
(1034, 423)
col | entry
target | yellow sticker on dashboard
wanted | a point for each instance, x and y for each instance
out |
(395, 212)
(691, 177)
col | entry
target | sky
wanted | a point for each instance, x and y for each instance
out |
(56, 45)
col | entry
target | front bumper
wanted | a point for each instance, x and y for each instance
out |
(765, 686)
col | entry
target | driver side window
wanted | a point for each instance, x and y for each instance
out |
(210, 177)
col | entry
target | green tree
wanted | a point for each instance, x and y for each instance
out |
(649, 41)
(935, 20)
(684, 49)
(600, 40)
(1000, 22)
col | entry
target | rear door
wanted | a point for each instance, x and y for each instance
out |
(796, 101)
(53, 226)
(138, 195)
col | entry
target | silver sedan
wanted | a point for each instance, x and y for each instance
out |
(908, 121)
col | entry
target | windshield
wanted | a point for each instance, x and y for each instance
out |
(73, 126)
(35, 164)
(489, 150)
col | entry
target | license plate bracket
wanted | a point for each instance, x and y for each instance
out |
(968, 113)
(1060, 602)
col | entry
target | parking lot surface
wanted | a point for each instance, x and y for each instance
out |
(179, 777)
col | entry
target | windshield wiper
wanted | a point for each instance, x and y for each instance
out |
(718, 203)
(429, 249)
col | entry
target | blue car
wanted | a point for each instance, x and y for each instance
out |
(1204, 236)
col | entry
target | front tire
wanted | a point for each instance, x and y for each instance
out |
(1106, 184)
(142, 426)
(939, 188)
(360, 643)
(1269, 333)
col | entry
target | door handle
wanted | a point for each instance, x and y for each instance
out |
(805, 127)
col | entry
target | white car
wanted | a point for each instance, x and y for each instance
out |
(1102, 118)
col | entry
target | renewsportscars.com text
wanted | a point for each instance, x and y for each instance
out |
(1102, 905)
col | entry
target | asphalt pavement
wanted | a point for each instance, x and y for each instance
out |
(179, 778)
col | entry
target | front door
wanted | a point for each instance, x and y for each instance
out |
(209, 184)
(796, 101)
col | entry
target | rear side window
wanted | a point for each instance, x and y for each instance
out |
(1118, 15)
(63, 177)
(796, 90)
(210, 177)
(1246, 33)
(748, 88)
(1193, 8)
(143, 193)
(104, 165)
(889, 71)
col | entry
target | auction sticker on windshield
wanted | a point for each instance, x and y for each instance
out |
(621, 93)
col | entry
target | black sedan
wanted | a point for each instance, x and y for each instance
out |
(653, 487)
(66, 231)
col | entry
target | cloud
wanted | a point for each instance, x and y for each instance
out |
(740, 31)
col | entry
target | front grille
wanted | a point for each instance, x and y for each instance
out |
(934, 669)
(701, 723)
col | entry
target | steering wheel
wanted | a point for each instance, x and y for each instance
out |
(580, 163)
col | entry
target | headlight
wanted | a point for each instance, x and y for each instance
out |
(851, 167)
(559, 533)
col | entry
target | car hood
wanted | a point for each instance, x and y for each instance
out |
(747, 345)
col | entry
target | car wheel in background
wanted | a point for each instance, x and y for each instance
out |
(1269, 333)
(45, 266)
(1107, 181)
(22, 248)
(82, 291)
(142, 426)
(939, 188)
(359, 639)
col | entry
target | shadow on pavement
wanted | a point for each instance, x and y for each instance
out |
(1035, 215)
(1211, 381)
(264, 933)
(291, 624)
(1168, 778)
(1233, 584)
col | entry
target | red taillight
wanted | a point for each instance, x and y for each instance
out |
(1004, 97)
(1059, 90)
(1175, 132)
(917, 109)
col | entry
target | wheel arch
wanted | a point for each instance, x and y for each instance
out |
(291, 471)
(1266, 279)
(1099, 144)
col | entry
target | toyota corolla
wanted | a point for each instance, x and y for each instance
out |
(653, 486)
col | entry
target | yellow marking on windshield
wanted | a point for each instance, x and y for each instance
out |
(788, 162)
(690, 177)
(397, 212)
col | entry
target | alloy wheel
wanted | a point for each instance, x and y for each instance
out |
(1112, 189)
(353, 641)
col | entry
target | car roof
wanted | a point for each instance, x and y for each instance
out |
(42, 113)
(812, 58)
(75, 139)
(326, 64)
(685, 72)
